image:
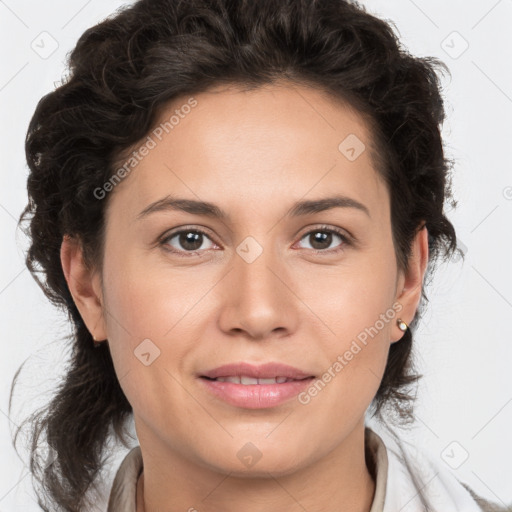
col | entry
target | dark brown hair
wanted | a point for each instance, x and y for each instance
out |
(122, 72)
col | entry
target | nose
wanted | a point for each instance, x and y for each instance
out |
(257, 298)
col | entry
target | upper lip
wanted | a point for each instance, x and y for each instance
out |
(263, 371)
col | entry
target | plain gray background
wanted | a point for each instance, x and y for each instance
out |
(464, 344)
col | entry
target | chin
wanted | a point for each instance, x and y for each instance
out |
(250, 463)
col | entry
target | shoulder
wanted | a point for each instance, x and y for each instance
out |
(487, 506)
(414, 482)
(123, 491)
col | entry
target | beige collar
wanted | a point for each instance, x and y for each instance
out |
(123, 495)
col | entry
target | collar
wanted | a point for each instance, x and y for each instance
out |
(405, 480)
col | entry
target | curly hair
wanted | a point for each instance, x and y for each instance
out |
(122, 73)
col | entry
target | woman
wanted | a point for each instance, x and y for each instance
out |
(238, 202)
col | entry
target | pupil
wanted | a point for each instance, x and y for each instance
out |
(191, 241)
(320, 238)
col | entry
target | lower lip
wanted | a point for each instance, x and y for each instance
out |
(256, 396)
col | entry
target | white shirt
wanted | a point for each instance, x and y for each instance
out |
(406, 480)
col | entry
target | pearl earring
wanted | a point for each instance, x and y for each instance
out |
(402, 325)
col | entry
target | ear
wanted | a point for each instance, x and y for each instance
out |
(410, 283)
(85, 287)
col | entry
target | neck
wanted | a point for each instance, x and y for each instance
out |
(339, 481)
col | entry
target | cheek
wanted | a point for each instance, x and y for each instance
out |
(150, 335)
(357, 310)
(356, 360)
(148, 300)
(351, 297)
(153, 310)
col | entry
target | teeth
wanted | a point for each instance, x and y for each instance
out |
(248, 380)
(251, 380)
(235, 380)
(269, 381)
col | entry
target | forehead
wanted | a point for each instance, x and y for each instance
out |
(258, 146)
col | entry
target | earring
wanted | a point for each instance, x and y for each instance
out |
(402, 325)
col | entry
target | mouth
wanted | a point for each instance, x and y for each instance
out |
(248, 386)
(250, 374)
(245, 392)
(252, 381)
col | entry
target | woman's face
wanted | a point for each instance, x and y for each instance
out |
(271, 281)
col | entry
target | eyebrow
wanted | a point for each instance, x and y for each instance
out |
(306, 207)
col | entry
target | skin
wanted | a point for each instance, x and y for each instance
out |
(254, 154)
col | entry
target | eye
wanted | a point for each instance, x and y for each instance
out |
(192, 241)
(187, 241)
(321, 238)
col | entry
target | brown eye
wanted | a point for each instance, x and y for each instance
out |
(321, 240)
(187, 240)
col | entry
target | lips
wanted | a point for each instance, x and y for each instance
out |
(249, 386)
(246, 380)
(249, 374)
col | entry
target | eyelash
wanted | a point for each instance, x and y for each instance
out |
(322, 229)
